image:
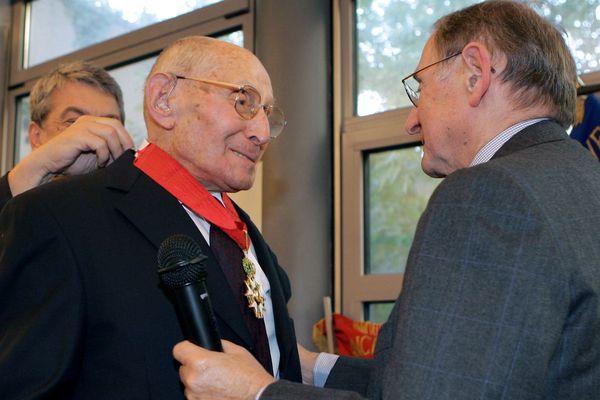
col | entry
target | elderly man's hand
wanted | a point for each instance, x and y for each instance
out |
(234, 374)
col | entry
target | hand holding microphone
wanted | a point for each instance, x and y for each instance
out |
(182, 274)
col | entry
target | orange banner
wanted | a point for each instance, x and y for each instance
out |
(352, 338)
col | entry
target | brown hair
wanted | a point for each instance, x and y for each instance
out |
(540, 67)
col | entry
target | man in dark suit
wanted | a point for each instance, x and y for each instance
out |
(76, 126)
(501, 293)
(82, 314)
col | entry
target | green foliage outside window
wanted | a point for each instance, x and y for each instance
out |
(397, 191)
(390, 35)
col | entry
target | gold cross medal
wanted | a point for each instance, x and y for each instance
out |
(256, 300)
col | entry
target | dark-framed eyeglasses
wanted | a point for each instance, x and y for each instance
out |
(248, 103)
(412, 84)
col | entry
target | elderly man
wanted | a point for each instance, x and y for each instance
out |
(83, 103)
(82, 314)
(502, 286)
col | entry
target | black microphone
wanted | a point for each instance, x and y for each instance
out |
(181, 271)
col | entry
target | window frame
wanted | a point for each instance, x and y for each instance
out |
(591, 78)
(115, 46)
(359, 135)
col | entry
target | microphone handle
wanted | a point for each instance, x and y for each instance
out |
(196, 316)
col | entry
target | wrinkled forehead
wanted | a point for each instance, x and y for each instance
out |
(241, 67)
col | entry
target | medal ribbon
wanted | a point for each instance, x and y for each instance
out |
(170, 175)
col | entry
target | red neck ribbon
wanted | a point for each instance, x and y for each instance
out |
(175, 179)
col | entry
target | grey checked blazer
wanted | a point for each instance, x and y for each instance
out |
(501, 291)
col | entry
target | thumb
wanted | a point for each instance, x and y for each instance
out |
(185, 350)
(232, 348)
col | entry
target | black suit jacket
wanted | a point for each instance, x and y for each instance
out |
(81, 311)
(5, 194)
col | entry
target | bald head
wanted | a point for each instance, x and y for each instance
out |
(201, 56)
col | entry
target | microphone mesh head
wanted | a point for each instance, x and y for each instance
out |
(180, 261)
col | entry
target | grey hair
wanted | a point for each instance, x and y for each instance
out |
(78, 71)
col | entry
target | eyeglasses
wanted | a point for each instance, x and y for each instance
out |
(412, 84)
(248, 103)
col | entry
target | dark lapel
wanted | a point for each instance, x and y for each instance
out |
(158, 215)
(283, 327)
(533, 135)
(5, 194)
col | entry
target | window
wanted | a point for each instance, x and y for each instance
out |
(392, 174)
(383, 190)
(131, 78)
(22, 147)
(378, 311)
(126, 45)
(54, 28)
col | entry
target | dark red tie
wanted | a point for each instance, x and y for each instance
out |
(229, 256)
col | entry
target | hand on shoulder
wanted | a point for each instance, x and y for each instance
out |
(89, 143)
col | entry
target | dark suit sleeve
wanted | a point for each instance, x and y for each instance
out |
(351, 373)
(348, 380)
(285, 390)
(5, 194)
(40, 304)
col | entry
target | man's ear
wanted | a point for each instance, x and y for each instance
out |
(35, 135)
(158, 90)
(478, 71)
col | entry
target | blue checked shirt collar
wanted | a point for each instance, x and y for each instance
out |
(488, 151)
